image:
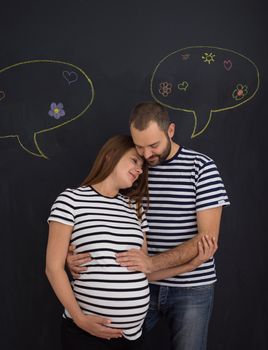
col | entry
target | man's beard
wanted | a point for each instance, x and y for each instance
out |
(160, 158)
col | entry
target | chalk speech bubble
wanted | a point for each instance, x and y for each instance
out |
(204, 80)
(41, 95)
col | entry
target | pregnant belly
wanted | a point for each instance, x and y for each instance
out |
(121, 297)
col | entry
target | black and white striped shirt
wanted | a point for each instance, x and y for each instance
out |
(105, 226)
(179, 188)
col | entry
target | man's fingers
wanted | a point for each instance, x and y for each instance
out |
(81, 256)
(71, 248)
(78, 269)
(74, 263)
(79, 262)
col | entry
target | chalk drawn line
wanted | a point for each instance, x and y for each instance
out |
(35, 134)
(194, 133)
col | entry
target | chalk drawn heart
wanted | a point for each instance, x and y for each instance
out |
(2, 95)
(183, 85)
(227, 64)
(70, 77)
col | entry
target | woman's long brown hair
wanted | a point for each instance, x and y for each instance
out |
(108, 157)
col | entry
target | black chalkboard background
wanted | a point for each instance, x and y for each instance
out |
(118, 44)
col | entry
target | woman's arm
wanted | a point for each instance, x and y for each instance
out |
(206, 249)
(57, 248)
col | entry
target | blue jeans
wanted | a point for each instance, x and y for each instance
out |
(187, 311)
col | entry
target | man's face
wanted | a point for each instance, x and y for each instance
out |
(152, 143)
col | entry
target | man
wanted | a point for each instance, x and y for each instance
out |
(186, 199)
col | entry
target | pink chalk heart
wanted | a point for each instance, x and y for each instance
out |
(227, 64)
(70, 77)
(2, 95)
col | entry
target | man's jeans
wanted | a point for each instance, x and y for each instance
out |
(187, 311)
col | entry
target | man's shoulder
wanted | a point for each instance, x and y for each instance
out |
(196, 156)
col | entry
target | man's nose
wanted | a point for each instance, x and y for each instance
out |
(147, 153)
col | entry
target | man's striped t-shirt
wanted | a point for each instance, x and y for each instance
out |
(104, 226)
(178, 189)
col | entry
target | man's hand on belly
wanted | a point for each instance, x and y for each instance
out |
(74, 261)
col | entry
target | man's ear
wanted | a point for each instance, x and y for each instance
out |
(171, 130)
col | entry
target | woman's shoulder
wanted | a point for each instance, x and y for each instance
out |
(76, 192)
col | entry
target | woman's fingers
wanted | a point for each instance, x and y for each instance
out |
(207, 246)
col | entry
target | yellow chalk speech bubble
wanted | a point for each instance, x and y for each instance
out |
(39, 96)
(203, 80)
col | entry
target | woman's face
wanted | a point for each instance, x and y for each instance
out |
(128, 169)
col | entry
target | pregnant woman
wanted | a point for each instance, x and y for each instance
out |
(106, 306)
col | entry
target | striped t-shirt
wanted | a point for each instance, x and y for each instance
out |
(178, 189)
(104, 226)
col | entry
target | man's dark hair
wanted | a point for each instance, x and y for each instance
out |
(146, 112)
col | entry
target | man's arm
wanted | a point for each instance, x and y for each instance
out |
(206, 249)
(208, 224)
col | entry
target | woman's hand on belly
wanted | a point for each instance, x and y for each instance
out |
(135, 260)
(98, 326)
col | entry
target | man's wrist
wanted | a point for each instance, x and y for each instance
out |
(153, 266)
(191, 266)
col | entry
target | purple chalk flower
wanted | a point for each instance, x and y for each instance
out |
(56, 110)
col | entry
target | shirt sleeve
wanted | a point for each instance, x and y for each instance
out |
(63, 209)
(210, 191)
(144, 223)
